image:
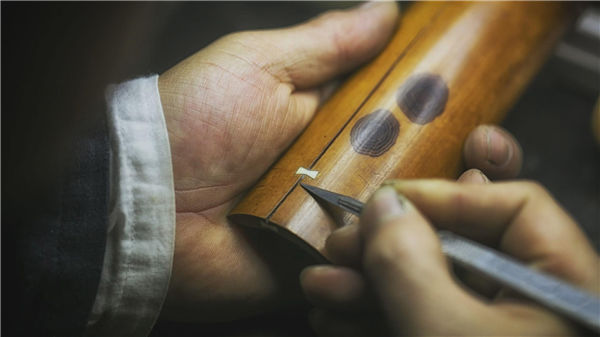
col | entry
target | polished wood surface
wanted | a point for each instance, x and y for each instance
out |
(448, 68)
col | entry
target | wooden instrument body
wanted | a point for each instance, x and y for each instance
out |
(448, 68)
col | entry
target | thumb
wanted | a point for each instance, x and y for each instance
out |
(314, 52)
(404, 262)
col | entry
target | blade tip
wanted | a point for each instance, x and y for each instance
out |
(308, 188)
(313, 190)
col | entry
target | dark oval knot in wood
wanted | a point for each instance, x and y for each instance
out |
(422, 97)
(375, 133)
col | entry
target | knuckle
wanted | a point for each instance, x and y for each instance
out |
(558, 263)
(380, 258)
(249, 47)
(534, 188)
(331, 15)
(389, 249)
(237, 37)
(242, 40)
(339, 33)
(460, 200)
(231, 38)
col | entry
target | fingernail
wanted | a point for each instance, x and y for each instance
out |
(499, 151)
(475, 176)
(388, 203)
(483, 177)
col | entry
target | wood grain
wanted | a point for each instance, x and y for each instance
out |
(448, 68)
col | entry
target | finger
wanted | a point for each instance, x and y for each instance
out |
(520, 218)
(343, 246)
(474, 281)
(304, 103)
(314, 52)
(404, 262)
(327, 89)
(473, 176)
(494, 151)
(334, 288)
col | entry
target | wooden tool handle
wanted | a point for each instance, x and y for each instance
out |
(448, 68)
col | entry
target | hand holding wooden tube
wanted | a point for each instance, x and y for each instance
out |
(231, 110)
(448, 68)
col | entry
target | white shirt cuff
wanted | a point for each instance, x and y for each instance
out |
(141, 229)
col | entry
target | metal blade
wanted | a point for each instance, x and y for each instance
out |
(344, 202)
(555, 294)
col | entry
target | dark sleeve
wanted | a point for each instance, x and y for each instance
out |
(60, 242)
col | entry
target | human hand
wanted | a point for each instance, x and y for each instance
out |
(407, 279)
(231, 109)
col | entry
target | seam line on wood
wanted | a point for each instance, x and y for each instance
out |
(387, 73)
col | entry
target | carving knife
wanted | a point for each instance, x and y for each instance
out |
(577, 304)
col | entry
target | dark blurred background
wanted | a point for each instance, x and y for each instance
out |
(57, 59)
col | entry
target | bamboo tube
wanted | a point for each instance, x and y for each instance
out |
(448, 68)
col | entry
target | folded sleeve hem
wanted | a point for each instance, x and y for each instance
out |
(141, 229)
